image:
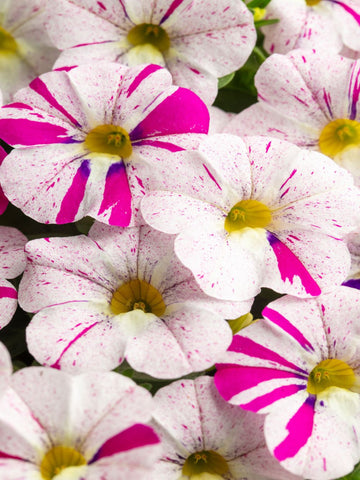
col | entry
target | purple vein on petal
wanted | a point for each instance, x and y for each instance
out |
(354, 91)
(117, 196)
(300, 428)
(170, 10)
(75, 194)
(40, 87)
(56, 364)
(282, 322)
(290, 266)
(249, 347)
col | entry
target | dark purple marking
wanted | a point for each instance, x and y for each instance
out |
(272, 397)
(181, 112)
(101, 5)
(40, 87)
(75, 194)
(8, 292)
(212, 177)
(135, 436)
(5, 455)
(301, 101)
(282, 322)
(249, 347)
(56, 364)
(19, 131)
(117, 196)
(233, 379)
(354, 92)
(284, 193)
(290, 176)
(327, 99)
(145, 72)
(195, 71)
(300, 428)
(290, 266)
(353, 283)
(159, 144)
(170, 10)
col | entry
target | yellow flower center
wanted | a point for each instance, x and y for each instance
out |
(339, 135)
(247, 213)
(310, 3)
(259, 13)
(137, 295)
(7, 42)
(110, 139)
(330, 373)
(59, 458)
(149, 33)
(206, 461)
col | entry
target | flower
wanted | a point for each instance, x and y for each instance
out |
(264, 213)
(319, 112)
(300, 366)
(327, 25)
(93, 139)
(54, 425)
(203, 435)
(5, 368)
(197, 41)
(120, 294)
(25, 49)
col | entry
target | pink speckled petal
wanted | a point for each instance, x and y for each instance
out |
(8, 302)
(12, 255)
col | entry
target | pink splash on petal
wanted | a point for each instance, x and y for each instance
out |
(40, 87)
(136, 436)
(8, 292)
(26, 132)
(300, 428)
(288, 327)
(75, 194)
(4, 202)
(290, 266)
(159, 144)
(233, 379)
(117, 196)
(272, 397)
(170, 10)
(145, 72)
(180, 112)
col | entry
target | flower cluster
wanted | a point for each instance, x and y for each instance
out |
(179, 260)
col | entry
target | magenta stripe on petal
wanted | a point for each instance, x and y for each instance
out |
(159, 144)
(288, 327)
(5, 455)
(290, 266)
(74, 196)
(8, 292)
(40, 87)
(272, 397)
(56, 364)
(21, 106)
(300, 429)
(136, 436)
(350, 10)
(145, 72)
(354, 92)
(181, 112)
(117, 196)
(247, 346)
(26, 132)
(233, 379)
(170, 10)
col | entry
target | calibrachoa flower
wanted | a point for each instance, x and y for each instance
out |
(321, 111)
(266, 214)
(328, 25)
(92, 140)
(121, 294)
(90, 426)
(25, 49)
(197, 40)
(12, 264)
(203, 437)
(300, 365)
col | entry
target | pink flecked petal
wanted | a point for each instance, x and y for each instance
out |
(8, 302)
(70, 329)
(219, 120)
(12, 255)
(4, 202)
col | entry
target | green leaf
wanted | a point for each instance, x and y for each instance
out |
(262, 23)
(258, 3)
(223, 81)
(354, 475)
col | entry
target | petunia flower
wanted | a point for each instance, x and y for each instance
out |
(197, 41)
(326, 25)
(12, 264)
(319, 112)
(203, 437)
(93, 139)
(54, 425)
(25, 48)
(300, 366)
(265, 214)
(121, 294)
